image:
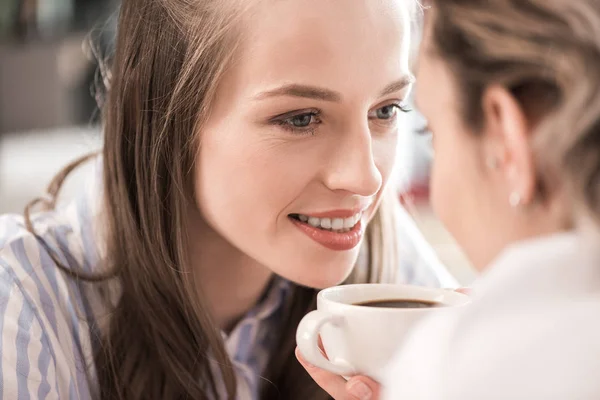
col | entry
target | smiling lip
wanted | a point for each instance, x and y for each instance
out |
(338, 213)
(338, 241)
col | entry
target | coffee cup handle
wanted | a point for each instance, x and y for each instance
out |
(307, 338)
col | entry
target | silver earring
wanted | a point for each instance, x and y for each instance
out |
(514, 199)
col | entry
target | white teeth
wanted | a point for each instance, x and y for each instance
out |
(336, 224)
(349, 222)
(314, 221)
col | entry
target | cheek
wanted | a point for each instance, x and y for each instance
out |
(235, 181)
(384, 155)
(245, 182)
(245, 187)
(441, 186)
(454, 183)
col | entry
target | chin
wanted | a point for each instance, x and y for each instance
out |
(321, 283)
(322, 277)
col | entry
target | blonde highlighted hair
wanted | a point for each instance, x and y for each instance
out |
(547, 53)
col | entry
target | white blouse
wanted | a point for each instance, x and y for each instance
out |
(532, 332)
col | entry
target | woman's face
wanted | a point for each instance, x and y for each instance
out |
(474, 173)
(301, 141)
(463, 194)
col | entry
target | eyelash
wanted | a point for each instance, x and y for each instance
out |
(403, 108)
(285, 121)
(399, 106)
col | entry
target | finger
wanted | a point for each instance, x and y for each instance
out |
(464, 290)
(322, 348)
(333, 384)
(363, 388)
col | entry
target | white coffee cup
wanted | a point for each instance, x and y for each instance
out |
(360, 339)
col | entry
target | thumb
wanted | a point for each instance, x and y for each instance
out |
(362, 388)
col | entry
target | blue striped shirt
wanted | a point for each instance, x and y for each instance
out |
(46, 348)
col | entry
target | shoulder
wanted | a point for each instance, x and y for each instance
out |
(493, 351)
(417, 371)
(42, 337)
(23, 255)
(27, 257)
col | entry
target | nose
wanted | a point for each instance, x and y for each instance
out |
(352, 166)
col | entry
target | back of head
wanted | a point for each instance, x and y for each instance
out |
(547, 54)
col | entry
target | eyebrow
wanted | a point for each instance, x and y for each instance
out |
(317, 93)
(306, 91)
(398, 85)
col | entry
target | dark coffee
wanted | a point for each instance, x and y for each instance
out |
(397, 303)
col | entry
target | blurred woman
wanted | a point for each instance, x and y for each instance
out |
(510, 90)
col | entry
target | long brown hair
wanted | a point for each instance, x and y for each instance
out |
(547, 53)
(160, 341)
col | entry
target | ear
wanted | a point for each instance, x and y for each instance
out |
(508, 133)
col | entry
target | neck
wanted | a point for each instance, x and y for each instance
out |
(232, 282)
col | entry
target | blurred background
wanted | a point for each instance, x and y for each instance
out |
(48, 112)
(49, 68)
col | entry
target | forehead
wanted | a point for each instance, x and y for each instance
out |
(333, 43)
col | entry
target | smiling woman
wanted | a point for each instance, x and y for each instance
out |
(247, 161)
